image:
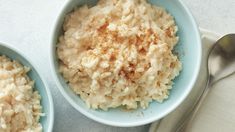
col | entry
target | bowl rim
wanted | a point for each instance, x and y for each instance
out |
(48, 92)
(129, 124)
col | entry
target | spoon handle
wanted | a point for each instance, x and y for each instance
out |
(186, 121)
(184, 124)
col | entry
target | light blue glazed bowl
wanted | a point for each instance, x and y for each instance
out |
(46, 99)
(188, 48)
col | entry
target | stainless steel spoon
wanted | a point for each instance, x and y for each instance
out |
(220, 64)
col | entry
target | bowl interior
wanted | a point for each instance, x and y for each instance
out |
(188, 48)
(46, 102)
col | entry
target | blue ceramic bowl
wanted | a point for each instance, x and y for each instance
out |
(189, 49)
(46, 99)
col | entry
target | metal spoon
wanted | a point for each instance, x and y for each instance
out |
(220, 64)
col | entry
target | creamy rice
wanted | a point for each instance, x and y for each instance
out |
(119, 53)
(20, 107)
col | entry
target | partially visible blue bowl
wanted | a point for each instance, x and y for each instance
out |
(40, 85)
(188, 48)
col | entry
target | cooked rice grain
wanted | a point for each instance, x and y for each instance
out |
(119, 53)
(20, 107)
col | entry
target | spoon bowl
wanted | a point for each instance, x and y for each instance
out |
(222, 58)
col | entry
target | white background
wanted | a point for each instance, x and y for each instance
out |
(27, 25)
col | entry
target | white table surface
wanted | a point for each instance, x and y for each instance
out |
(27, 25)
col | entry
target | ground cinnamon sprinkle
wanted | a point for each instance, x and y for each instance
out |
(128, 56)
